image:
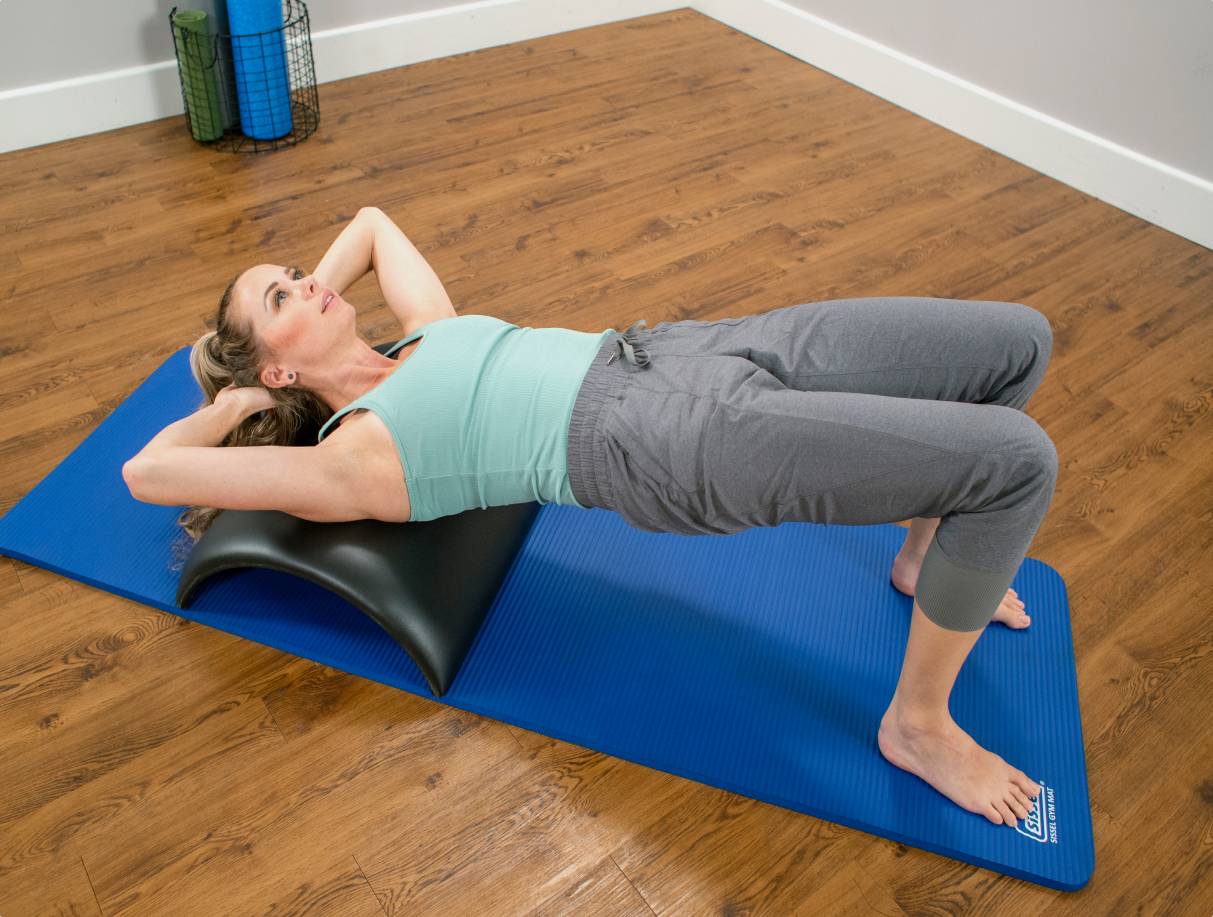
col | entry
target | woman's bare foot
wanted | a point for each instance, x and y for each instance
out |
(945, 756)
(1010, 610)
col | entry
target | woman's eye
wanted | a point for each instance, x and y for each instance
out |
(298, 275)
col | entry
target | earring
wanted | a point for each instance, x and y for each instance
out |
(292, 377)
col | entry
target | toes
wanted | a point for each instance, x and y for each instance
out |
(992, 813)
(1016, 807)
(1013, 616)
(1023, 800)
(1029, 786)
(1005, 811)
(1011, 604)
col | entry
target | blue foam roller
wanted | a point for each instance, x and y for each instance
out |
(758, 663)
(259, 57)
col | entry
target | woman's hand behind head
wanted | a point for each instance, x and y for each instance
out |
(252, 398)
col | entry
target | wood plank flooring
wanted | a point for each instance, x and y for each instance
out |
(664, 167)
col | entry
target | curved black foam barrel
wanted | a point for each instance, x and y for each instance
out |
(428, 584)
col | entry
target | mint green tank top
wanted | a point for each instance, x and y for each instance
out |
(480, 412)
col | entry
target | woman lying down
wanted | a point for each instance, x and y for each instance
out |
(848, 412)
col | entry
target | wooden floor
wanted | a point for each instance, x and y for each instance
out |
(665, 167)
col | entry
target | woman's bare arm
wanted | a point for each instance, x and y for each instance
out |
(184, 466)
(410, 287)
(372, 241)
(311, 482)
(207, 426)
(349, 257)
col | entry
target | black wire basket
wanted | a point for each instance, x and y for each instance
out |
(252, 92)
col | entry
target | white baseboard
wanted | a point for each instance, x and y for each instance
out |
(1161, 194)
(1168, 197)
(66, 109)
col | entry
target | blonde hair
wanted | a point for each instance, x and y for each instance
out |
(233, 354)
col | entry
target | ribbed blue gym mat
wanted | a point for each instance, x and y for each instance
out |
(758, 663)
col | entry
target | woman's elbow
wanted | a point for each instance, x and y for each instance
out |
(131, 476)
(134, 473)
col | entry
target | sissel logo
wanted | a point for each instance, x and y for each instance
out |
(1041, 823)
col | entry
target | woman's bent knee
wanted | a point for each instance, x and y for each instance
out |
(1044, 453)
(1027, 443)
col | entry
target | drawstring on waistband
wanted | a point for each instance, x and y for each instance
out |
(637, 356)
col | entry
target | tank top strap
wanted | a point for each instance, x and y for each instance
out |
(406, 340)
(362, 401)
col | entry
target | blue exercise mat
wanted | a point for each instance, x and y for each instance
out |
(758, 663)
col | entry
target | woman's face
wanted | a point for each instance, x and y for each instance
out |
(286, 310)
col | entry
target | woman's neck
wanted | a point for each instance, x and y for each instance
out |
(361, 369)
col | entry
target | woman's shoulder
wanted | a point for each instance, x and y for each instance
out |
(361, 435)
(364, 444)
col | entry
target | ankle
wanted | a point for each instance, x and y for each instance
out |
(918, 538)
(919, 718)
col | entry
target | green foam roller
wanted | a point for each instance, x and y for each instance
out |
(197, 65)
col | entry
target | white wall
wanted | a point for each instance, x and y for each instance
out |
(1113, 97)
(44, 41)
(1137, 72)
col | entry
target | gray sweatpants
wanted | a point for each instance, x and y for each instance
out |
(847, 411)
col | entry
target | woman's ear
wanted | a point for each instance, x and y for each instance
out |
(277, 377)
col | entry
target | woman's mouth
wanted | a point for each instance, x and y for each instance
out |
(329, 296)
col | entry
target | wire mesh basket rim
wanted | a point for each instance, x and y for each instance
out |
(299, 16)
(295, 31)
